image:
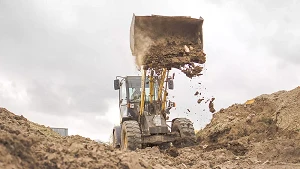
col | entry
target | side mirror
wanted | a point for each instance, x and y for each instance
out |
(170, 84)
(117, 84)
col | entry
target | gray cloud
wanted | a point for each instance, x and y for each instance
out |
(274, 26)
(61, 64)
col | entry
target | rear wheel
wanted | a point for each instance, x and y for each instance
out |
(115, 145)
(186, 133)
(131, 136)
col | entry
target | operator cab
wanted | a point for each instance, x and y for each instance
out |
(130, 95)
(130, 90)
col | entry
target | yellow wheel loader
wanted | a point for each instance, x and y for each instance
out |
(144, 108)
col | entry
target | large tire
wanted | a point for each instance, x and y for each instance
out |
(131, 136)
(185, 129)
(116, 143)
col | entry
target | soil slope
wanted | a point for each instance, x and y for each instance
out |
(262, 133)
(265, 129)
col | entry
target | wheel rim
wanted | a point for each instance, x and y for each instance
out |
(125, 142)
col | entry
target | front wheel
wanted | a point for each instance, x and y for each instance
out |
(186, 133)
(115, 145)
(131, 136)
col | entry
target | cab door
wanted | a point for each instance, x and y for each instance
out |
(123, 99)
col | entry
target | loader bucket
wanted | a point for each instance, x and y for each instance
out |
(146, 31)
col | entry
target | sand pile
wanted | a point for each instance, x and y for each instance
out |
(24, 144)
(265, 128)
(263, 133)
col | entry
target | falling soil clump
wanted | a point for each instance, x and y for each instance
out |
(175, 56)
(199, 101)
(211, 105)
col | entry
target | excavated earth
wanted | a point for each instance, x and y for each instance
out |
(170, 52)
(176, 56)
(262, 133)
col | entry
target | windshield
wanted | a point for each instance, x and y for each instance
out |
(134, 87)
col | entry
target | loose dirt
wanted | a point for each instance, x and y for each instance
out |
(168, 42)
(264, 129)
(187, 59)
(211, 105)
(24, 144)
(262, 133)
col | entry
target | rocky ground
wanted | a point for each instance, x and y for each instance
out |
(262, 133)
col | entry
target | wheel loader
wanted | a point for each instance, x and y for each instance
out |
(144, 108)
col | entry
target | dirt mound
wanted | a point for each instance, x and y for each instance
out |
(262, 133)
(24, 144)
(265, 128)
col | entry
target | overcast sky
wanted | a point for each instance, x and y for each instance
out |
(58, 59)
